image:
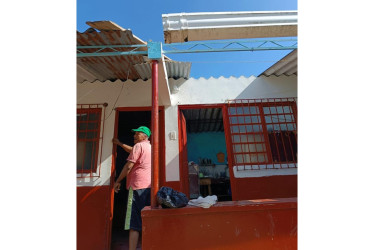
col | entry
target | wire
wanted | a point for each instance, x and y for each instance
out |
(240, 61)
(114, 105)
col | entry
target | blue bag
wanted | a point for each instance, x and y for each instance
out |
(169, 198)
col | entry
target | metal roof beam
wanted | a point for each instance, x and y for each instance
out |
(192, 47)
(230, 46)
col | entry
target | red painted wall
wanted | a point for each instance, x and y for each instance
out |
(257, 224)
(92, 218)
(282, 186)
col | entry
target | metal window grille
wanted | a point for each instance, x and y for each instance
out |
(263, 133)
(90, 127)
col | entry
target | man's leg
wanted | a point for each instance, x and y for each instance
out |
(141, 198)
(133, 239)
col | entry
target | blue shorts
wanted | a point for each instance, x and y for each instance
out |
(136, 201)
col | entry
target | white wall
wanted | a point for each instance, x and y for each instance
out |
(184, 92)
(171, 146)
(276, 169)
(213, 91)
(129, 94)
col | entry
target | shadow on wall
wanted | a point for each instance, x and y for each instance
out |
(270, 87)
(175, 85)
(171, 166)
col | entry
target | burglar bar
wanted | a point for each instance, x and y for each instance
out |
(263, 133)
(90, 129)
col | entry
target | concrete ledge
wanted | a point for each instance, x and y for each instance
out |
(250, 224)
(246, 205)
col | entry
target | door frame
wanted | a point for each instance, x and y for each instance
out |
(114, 155)
(183, 170)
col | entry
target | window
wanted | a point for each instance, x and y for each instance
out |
(88, 138)
(263, 133)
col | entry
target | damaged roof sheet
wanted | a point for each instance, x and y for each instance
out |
(118, 67)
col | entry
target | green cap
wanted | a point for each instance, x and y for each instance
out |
(143, 129)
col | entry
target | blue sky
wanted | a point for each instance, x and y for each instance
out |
(145, 21)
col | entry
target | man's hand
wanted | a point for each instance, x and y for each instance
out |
(116, 141)
(117, 187)
(127, 148)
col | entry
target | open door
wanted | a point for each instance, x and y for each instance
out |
(204, 163)
(127, 119)
(183, 165)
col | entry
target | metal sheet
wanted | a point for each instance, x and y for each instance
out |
(285, 66)
(118, 67)
(174, 70)
(204, 120)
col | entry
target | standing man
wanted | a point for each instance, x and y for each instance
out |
(138, 172)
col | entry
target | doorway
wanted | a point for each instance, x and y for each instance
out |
(128, 119)
(205, 152)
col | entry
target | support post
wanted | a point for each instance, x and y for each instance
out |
(155, 135)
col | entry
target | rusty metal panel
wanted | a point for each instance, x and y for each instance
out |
(132, 67)
(109, 68)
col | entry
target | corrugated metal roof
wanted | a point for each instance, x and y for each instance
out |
(204, 120)
(285, 66)
(174, 70)
(178, 69)
(117, 67)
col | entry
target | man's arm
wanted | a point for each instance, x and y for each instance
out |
(126, 169)
(127, 148)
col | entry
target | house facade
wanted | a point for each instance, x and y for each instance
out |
(240, 133)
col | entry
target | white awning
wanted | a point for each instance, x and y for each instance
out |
(183, 27)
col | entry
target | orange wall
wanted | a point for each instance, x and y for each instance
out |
(282, 186)
(92, 218)
(257, 224)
